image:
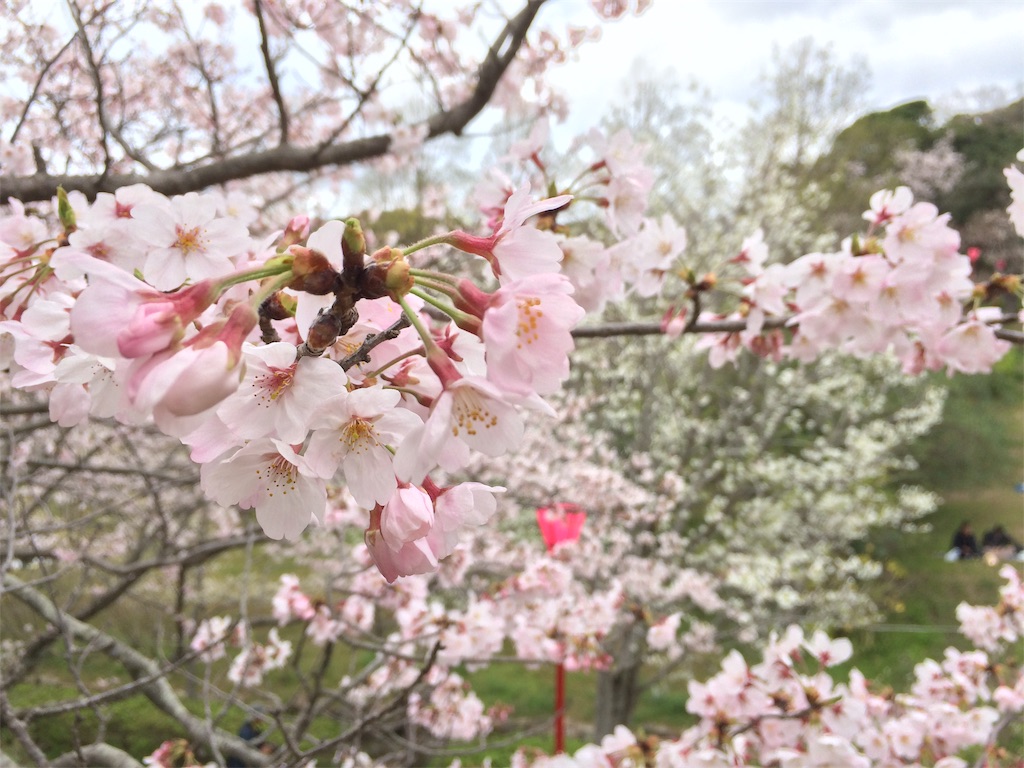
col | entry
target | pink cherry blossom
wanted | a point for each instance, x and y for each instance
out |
(971, 347)
(290, 602)
(186, 382)
(270, 477)
(753, 253)
(859, 278)
(516, 250)
(469, 413)
(119, 315)
(587, 264)
(1016, 208)
(526, 327)
(408, 559)
(919, 234)
(187, 241)
(887, 204)
(457, 509)
(407, 516)
(354, 431)
(280, 395)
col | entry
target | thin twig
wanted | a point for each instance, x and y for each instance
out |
(289, 157)
(268, 61)
(378, 714)
(362, 355)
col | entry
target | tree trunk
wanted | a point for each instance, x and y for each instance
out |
(618, 687)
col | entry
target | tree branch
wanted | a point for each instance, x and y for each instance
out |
(289, 158)
(606, 330)
(268, 61)
(362, 354)
(655, 329)
(156, 689)
(20, 731)
(100, 754)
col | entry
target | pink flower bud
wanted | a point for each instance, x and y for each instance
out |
(159, 320)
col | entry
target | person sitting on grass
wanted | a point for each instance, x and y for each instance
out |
(964, 543)
(997, 541)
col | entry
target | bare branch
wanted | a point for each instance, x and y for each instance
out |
(20, 731)
(288, 158)
(362, 354)
(268, 61)
(1015, 337)
(607, 330)
(100, 754)
(373, 717)
(156, 688)
(655, 329)
(39, 84)
(97, 81)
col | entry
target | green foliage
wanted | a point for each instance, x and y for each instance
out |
(989, 143)
(861, 160)
(409, 225)
(978, 444)
(975, 457)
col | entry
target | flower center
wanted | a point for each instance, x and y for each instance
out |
(470, 412)
(359, 434)
(274, 384)
(529, 317)
(278, 475)
(189, 240)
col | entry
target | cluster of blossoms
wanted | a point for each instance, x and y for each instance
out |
(254, 659)
(271, 426)
(788, 710)
(301, 360)
(543, 612)
(901, 288)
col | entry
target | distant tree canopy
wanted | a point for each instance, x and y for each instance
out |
(988, 142)
(956, 164)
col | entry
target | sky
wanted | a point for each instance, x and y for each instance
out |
(912, 48)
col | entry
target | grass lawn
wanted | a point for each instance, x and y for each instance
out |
(974, 460)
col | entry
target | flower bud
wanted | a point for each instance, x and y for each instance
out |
(296, 231)
(65, 212)
(353, 245)
(398, 280)
(312, 272)
(707, 282)
(387, 254)
(386, 277)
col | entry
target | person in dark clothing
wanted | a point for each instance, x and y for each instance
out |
(965, 543)
(252, 732)
(998, 540)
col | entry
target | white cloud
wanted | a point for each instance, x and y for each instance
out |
(914, 49)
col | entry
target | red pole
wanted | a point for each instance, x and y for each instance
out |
(559, 708)
(558, 523)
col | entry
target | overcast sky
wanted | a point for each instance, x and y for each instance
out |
(913, 48)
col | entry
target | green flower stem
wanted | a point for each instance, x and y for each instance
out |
(446, 288)
(267, 270)
(431, 274)
(395, 361)
(427, 242)
(271, 287)
(448, 309)
(428, 342)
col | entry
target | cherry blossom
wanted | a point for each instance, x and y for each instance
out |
(354, 433)
(516, 250)
(279, 395)
(270, 477)
(186, 240)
